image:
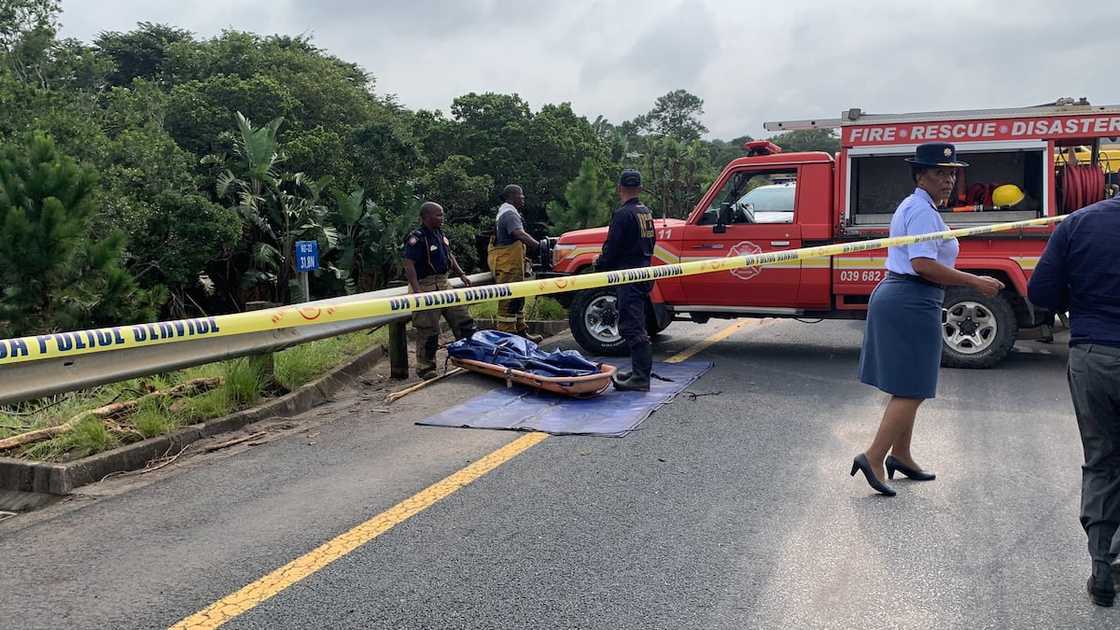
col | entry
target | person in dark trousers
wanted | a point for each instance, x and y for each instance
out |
(427, 260)
(630, 240)
(1079, 272)
(901, 352)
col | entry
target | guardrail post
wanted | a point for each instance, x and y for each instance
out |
(265, 361)
(398, 350)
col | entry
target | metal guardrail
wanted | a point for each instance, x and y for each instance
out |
(26, 381)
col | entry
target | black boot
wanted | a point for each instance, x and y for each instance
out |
(426, 358)
(466, 330)
(641, 365)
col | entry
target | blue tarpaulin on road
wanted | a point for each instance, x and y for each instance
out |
(613, 414)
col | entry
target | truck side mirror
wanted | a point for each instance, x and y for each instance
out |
(723, 217)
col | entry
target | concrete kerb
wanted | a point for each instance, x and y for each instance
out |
(61, 479)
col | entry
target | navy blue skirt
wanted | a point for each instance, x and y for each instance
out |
(902, 340)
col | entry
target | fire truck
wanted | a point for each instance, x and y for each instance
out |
(1025, 163)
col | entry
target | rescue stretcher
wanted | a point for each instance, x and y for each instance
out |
(574, 386)
(515, 359)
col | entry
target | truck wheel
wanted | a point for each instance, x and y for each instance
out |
(977, 331)
(593, 318)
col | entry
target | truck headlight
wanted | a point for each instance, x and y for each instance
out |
(560, 252)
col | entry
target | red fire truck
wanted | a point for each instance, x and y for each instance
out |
(1024, 164)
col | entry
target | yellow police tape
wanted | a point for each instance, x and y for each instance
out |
(67, 344)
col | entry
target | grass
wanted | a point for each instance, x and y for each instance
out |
(536, 309)
(242, 386)
(87, 437)
(299, 365)
(152, 418)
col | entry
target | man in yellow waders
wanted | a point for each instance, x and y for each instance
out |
(427, 259)
(506, 257)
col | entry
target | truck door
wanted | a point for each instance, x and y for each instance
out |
(760, 212)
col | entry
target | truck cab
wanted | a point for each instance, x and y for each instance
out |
(761, 203)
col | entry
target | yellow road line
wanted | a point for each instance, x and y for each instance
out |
(266, 587)
(723, 334)
(236, 604)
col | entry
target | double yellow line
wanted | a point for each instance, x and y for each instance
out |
(68, 344)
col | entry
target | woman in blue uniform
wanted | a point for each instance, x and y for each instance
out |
(902, 342)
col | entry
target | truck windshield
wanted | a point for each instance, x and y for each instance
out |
(755, 197)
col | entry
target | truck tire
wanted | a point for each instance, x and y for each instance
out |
(593, 318)
(976, 331)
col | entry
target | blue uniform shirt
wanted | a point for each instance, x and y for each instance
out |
(917, 215)
(429, 250)
(1080, 272)
(630, 238)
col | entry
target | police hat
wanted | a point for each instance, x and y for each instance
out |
(934, 154)
(630, 178)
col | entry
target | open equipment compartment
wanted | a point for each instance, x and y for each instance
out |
(879, 179)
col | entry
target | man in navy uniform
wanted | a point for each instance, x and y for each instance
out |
(630, 240)
(1078, 273)
(427, 259)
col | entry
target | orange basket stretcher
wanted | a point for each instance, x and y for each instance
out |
(575, 386)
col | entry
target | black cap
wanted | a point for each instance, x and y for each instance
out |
(936, 154)
(630, 178)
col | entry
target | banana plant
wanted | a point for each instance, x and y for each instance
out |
(277, 208)
(369, 240)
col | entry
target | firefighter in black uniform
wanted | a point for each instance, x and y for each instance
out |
(630, 240)
(427, 261)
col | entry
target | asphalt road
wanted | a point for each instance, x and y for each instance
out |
(731, 510)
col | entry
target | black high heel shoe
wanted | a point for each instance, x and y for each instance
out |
(860, 463)
(893, 464)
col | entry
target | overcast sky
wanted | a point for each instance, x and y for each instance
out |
(750, 61)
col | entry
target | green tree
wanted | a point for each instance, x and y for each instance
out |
(55, 274)
(808, 140)
(494, 130)
(197, 110)
(139, 54)
(465, 245)
(277, 208)
(27, 30)
(451, 185)
(720, 152)
(586, 202)
(385, 156)
(369, 241)
(507, 143)
(676, 114)
(675, 174)
(149, 193)
(562, 141)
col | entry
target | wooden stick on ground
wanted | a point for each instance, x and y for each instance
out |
(244, 438)
(189, 388)
(395, 396)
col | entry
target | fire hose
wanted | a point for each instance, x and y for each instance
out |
(1082, 184)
